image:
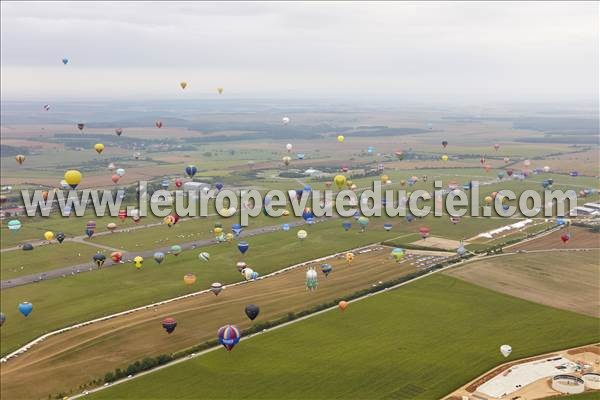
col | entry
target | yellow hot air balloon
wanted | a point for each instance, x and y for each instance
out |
(286, 213)
(137, 261)
(229, 237)
(444, 157)
(20, 158)
(73, 178)
(183, 85)
(49, 235)
(99, 147)
(340, 181)
(384, 178)
(488, 200)
(286, 160)
(218, 230)
(349, 257)
(189, 279)
(349, 183)
(340, 138)
(220, 90)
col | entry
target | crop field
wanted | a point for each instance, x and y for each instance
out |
(581, 238)
(51, 362)
(422, 340)
(569, 281)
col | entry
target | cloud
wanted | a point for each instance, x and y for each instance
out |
(518, 50)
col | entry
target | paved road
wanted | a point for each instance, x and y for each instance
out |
(128, 257)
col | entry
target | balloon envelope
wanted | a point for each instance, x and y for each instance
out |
(252, 311)
(505, 350)
(229, 336)
(25, 308)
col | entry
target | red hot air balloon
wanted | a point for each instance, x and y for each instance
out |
(116, 256)
(424, 232)
(115, 178)
(159, 124)
(122, 215)
(229, 336)
(565, 237)
(178, 182)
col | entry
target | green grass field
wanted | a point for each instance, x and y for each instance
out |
(421, 341)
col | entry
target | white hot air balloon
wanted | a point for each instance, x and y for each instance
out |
(285, 120)
(505, 350)
(247, 272)
(289, 147)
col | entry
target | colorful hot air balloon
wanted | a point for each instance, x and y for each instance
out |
(159, 257)
(158, 124)
(349, 257)
(363, 222)
(229, 336)
(387, 227)
(99, 147)
(191, 170)
(240, 265)
(346, 225)
(99, 259)
(20, 158)
(25, 308)
(311, 279)
(169, 324)
(326, 269)
(14, 225)
(111, 226)
(216, 288)
(138, 261)
(116, 256)
(565, 237)
(398, 254)
(73, 178)
(189, 279)
(243, 247)
(204, 256)
(252, 311)
(342, 305)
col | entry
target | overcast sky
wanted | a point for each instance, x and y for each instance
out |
(421, 51)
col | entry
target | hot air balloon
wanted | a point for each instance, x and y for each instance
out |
(349, 257)
(158, 124)
(398, 254)
(236, 229)
(326, 269)
(285, 227)
(496, 146)
(340, 181)
(138, 261)
(363, 222)
(311, 279)
(252, 311)
(342, 305)
(285, 120)
(286, 160)
(220, 90)
(505, 350)
(119, 131)
(169, 220)
(307, 214)
(2, 318)
(461, 251)
(487, 167)
(341, 138)
(159, 257)
(424, 232)
(191, 170)
(169, 324)
(49, 235)
(60, 237)
(240, 266)
(243, 247)
(14, 225)
(444, 143)
(204, 256)
(229, 336)
(189, 279)
(445, 157)
(302, 234)
(25, 308)
(27, 247)
(219, 185)
(73, 178)
(178, 182)
(573, 173)
(565, 237)
(20, 158)
(289, 147)
(111, 226)
(116, 256)
(183, 84)
(346, 225)
(46, 107)
(65, 61)
(99, 259)
(509, 171)
(99, 147)
(80, 126)
(216, 288)
(176, 250)
(387, 227)
(399, 154)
